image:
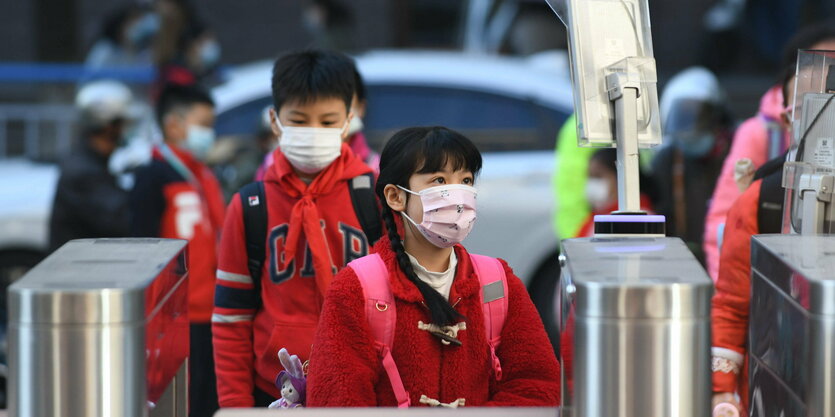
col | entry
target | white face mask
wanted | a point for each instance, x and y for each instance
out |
(199, 140)
(597, 193)
(310, 149)
(355, 126)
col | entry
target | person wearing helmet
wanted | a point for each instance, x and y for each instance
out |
(697, 135)
(88, 201)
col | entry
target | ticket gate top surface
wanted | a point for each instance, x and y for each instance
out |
(99, 281)
(611, 274)
(802, 266)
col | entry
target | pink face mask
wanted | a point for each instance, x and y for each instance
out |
(448, 213)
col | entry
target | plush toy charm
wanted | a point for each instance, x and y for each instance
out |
(291, 382)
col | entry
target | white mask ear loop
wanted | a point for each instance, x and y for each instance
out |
(403, 213)
(278, 121)
(346, 126)
(408, 190)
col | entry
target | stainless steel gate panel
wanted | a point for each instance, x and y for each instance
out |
(640, 311)
(99, 328)
(792, 326)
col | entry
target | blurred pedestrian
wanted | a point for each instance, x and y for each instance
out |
(697, 135)
(758, 139)
(126, 39)
(569, 181)
(177, 196)
(331, 24)
(758, 210)
(197, 60)
(88, 202)
(601, 189)
(176, 16)
(572, 209)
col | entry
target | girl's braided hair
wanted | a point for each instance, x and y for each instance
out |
(421, 150)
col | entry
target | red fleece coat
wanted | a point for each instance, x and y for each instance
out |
(345, 370)
(249, 328)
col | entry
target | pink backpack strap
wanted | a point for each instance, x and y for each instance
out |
(494, 302)
(382, 316)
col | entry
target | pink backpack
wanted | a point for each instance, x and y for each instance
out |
(382, 316)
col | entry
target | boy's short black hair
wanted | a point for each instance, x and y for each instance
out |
(312, 75)
(359, 85)
(179, 99)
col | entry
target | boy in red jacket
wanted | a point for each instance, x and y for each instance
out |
(176, 196)
(313, 230)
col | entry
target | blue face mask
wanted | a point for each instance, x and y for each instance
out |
(199, 141)
(143, 30)
(695, 144)
(209, 54)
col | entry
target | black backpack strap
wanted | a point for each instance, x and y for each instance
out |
(365, 205)
(770, 204)
(254, 207)
(770, 166)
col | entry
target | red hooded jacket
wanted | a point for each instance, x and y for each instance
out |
(345, 370)
(248, 329)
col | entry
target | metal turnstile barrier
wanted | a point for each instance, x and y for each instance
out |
(100, 328)
(639, 312)
(791, 339)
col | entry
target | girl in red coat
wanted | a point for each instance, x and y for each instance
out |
(433, 282)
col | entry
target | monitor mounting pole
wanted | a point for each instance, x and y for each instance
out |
(624, 94)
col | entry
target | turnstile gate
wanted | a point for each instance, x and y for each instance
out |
(100, 328)
(639, 312)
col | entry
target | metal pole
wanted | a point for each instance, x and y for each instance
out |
(626, 120)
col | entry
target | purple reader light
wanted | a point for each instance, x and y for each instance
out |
(629, 224)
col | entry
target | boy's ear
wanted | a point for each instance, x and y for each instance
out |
(395, 197)
(274, 123)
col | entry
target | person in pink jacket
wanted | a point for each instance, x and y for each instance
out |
(758, 139)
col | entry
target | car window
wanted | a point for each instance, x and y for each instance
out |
(244, 119)
(494, 122)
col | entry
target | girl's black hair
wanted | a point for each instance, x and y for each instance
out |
(420, 150)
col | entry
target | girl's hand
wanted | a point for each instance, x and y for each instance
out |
(726, 397)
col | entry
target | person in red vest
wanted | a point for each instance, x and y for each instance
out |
(177, 196)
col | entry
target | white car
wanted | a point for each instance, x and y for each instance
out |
(511, 108)
(26, 193)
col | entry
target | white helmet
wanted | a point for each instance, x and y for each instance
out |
(101, 102)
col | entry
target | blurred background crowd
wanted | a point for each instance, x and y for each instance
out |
(496, 70)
